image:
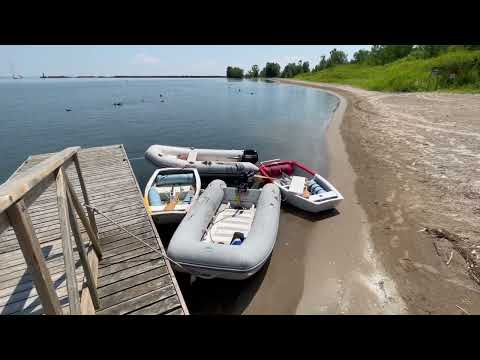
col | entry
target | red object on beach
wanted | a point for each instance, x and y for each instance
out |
(275, 168)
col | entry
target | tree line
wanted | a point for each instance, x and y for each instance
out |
(377, 55)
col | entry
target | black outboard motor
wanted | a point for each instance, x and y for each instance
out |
(245, 181)
(250, 155)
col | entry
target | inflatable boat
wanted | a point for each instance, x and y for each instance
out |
(300, 185)
(208, 162)
(170, 193)
(227, 233)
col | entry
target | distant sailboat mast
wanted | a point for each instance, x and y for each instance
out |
(14, 76)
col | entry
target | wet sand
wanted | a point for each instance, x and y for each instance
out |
(326, 264)
(416, 156)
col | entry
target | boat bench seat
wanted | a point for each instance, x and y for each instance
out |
(297, 185)
(192, 155)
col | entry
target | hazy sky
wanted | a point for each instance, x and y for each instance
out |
(32, 60)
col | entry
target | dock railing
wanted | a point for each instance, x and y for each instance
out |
(18, 193)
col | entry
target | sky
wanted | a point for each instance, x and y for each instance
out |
(72, 60)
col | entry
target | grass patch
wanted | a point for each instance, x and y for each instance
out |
(458, 71)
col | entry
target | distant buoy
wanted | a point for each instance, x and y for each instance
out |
(162, 100)
(68, 109)
(161, 95)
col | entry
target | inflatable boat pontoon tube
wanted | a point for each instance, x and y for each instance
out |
(204, 243)
(210, 162)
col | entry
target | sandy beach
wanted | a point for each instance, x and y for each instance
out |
(408, 165)
(405, 240)
(327, 264)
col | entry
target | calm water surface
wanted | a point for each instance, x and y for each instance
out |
(278, 120)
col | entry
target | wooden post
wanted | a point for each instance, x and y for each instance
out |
(23, 227)
(90, 213)
(86, 224)
(83, 254)
(71, 279)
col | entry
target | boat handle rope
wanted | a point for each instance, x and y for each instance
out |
(133, 235)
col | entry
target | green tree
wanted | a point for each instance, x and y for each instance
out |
(306, 67)
(292, 69)
(321, 65)
(337, 57)
(289, 70)
(384, 54)
(271, 69)
(254, 71)
(360, 57)
(234, 72)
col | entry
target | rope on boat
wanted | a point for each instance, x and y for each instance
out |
(133, 235)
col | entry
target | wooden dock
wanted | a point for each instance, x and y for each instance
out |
(129, 278)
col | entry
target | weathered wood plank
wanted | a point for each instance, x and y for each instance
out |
(134, 291)
(127, 248)
(170, 270)
(91, 215)
(105, 271)
(27, 290)
(86, 224)
(17, 279)
(52, 221)
(30, 247)
(178, 311)
(128, 239)
(37, 191)
(33, 305)
(4, 222)
(123, 257)
(89, 276)
(131, 281)
(130, 269)
(129, 272)
(67, 246)
(49, 251)
(159, 307)
(86, 305)
(21, 269)
(140, 301)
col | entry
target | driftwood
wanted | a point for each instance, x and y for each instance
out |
(463, 310)
(473, 269)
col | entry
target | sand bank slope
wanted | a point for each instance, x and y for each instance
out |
(416, 158)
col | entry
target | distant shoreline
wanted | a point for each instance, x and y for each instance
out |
(131, 77)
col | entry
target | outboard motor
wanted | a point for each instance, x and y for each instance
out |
(250, 155)
(245, 181)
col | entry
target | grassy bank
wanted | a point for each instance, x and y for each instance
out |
(458, 71)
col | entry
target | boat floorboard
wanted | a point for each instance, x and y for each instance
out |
(132, 278)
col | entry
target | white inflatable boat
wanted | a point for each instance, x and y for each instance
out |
(227, 233)
(209, 162)
(301, 186)
(170, 193)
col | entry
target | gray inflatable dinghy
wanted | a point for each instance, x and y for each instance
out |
(227, 233)
(210, 162)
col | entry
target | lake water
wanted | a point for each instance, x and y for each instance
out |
(278, 120)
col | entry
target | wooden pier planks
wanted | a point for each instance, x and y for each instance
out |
(132, 278)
